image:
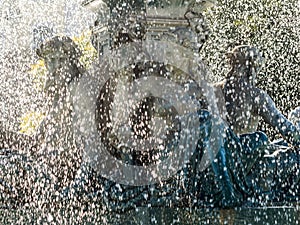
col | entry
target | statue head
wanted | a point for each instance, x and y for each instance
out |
(57, 50)
(61, 57)
(247, 59)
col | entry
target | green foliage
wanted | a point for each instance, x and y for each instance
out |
(30, 121)
(38, 72)
(89, 53)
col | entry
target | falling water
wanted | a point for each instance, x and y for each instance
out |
(271, 26)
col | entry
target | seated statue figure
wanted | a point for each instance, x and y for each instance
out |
(223, 184)
(55, 134)
(52, 152)
(242, 104)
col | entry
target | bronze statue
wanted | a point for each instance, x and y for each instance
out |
(233, 176)
(242, 105)
(245, 103)
(52, 153)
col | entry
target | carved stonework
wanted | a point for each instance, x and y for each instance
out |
(178, 21)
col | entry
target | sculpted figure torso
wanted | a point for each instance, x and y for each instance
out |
(53, 145)
(240, 109)
(242, 104)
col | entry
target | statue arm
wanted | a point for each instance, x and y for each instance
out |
(266, 108)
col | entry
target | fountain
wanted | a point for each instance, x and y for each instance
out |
(142, 128)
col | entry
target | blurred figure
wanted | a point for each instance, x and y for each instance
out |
(242, 104)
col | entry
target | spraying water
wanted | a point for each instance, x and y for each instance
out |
(138, 112)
